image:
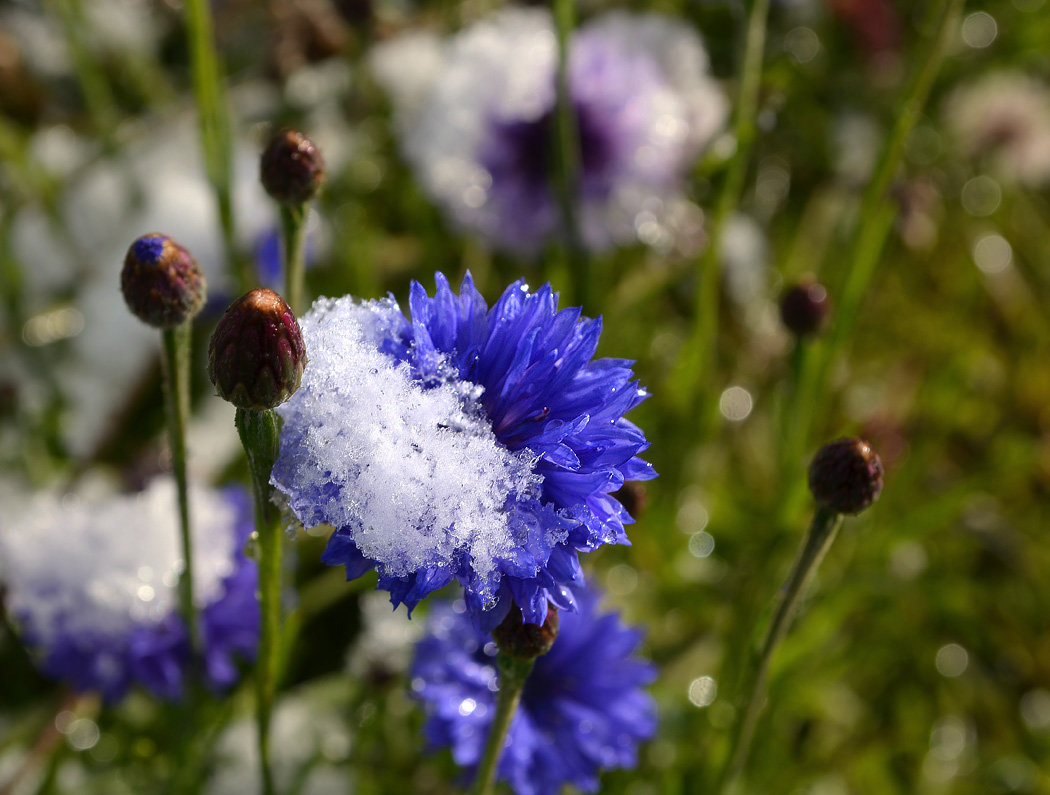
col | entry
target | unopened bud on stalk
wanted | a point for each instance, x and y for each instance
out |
(162, 283)
(291, 168)
(846, 476)
(256, 356)
(526, 641)
(804, 308)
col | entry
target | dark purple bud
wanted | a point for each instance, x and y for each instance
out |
(256, 356)
(526, 641)
(846, 476)
(804, 308)
(291, 168)
(162, 283)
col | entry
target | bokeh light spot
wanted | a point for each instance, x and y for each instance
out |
(952, 660)
(981, 196)
(979, 30)
(735, 404)
(701, 544)
(802, 43)
(992, 254)
(703, 691)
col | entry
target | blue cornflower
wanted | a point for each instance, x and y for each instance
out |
(93, 584)
(583, 708)
(471, 444)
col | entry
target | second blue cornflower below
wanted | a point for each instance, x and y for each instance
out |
(583, 708)
(469, 444)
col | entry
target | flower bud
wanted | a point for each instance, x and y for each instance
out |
(526, 641)
(162, 283)
(291, 168)
(804, 308)
(256, 356)
(846, 476)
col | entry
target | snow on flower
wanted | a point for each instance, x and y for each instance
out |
(92, 581)
(464, 444)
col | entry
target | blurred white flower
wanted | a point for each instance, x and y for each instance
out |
(1003, 118)
(475, 114)
(160, 186)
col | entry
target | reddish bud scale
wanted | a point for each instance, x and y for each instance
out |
(846, 476)
(526, 641)
(162, 283)
(256, 356)
(291, 168)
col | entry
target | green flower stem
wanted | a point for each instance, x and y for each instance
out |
(177, 400)
(259, 435)
(567, 155)
(818, 541)
(698, 358)
(513, 672)
(877, 211)
(216, 142)
(293, 229)
(94, 85)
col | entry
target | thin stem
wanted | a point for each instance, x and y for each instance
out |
(877, 212)
(94, 86)
(567, 155)
(177, 399)
(214, 128)
(699, 354)
(513, 672)
(818, 541)
(293, 227)
(259, 435)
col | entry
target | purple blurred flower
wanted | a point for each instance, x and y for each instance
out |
(583, 708)
(466, 444)
(268, 259)
(476, 121)
(93, 585)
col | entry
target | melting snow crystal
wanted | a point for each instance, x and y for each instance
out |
(415, 473)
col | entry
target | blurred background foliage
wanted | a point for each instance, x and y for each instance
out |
(921, 661)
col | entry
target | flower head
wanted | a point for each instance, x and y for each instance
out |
(804, 308)
(291, 168)
(846, 475)
(583, 708)
(162, 283)
(256, 355)
(478, 124)
(466, 444)
(93, 584)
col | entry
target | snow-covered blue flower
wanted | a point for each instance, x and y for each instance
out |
(471, 444)
(475, 116)
(92, 581)
(583, 709)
